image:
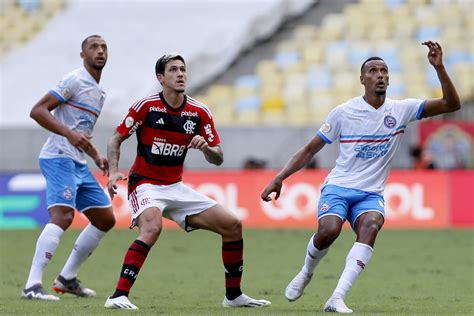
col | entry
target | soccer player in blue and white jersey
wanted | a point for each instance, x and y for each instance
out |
(369, 129)
(77, 102)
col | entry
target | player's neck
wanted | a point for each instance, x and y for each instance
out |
(173, 98)
(95, 73)
(375, 100)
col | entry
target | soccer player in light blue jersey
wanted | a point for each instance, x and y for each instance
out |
(369, 129)
(77, 102)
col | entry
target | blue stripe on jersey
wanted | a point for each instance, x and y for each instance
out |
(419, 113)
(324, 138)
(57, 95)
(86, 106)
(374, 136)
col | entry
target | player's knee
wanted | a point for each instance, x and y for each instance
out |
(370, 227)
(326, 235)
(233, 228)
(108, 223)
(150, 234)
(63, 219)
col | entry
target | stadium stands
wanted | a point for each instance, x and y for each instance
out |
(21, 20)
(318, 66)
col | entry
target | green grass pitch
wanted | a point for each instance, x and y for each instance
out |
(412, 272)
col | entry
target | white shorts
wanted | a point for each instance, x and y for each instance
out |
(175, 201)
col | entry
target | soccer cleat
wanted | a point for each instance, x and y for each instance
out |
(73, 286)
(336, 305)
(295, 288)
(121, 302)
(244, 301)
(37, 292)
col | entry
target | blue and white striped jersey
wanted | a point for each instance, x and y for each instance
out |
(368, 139)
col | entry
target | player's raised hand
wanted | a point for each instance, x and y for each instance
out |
(79, 140)
(435, 53)
(112, 183)
(198, 142)
(103, 164)
(274, 186)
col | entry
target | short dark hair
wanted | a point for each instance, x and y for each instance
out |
(84, 42)
(370, 59)
(163, 60)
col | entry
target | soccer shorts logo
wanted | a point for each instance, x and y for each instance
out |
(67, 193)
(324, 207)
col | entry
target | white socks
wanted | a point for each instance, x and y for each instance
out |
(356, 260)
(45, 247)
(313, 257)
(85, 244)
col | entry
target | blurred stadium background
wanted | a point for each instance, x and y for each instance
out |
(270, 71)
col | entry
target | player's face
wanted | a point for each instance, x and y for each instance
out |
(95, 53)
(174, 77)
(375, 77)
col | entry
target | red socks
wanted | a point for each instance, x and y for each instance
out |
(232, 256)
(134, 259)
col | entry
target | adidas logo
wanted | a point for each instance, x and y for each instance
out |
(160, 121)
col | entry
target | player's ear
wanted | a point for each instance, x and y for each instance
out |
(159, 77)
(361, 78)
(82, 55)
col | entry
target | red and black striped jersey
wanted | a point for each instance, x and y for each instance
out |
(163, 134)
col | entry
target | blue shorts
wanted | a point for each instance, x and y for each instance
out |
(348, 203)
(70, 183)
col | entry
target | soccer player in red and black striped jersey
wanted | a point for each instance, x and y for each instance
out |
(167, 125)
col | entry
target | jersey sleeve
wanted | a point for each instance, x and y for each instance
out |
(412, 109)
(132, 121)
(208, 130)
(66, 88)
(331, 128)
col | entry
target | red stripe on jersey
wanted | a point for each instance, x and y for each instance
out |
(371, 140)
(81, 108)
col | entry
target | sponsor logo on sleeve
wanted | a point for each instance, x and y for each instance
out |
(325, 128)
(129, 121)
(66, 92)
(208, 130)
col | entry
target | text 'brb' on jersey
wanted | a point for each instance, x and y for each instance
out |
(368, 139)
(163, 134)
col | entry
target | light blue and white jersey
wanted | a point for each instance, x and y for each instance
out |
(82, 100)
(368, 139)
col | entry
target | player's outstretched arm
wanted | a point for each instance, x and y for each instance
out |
(300, 159)
(214, 154)
(450, 101)
(113, 156)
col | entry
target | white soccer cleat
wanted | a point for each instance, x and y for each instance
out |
(336, 305)
(37, 292)
(121, 302)
(295, 288)
(244, 301)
